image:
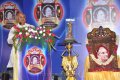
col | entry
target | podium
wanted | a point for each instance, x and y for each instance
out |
(31, 53)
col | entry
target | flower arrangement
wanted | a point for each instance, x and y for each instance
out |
(35, 35)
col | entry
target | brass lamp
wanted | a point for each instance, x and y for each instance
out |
(69, 63)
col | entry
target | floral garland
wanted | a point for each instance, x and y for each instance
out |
(36, 35)
(100, 62)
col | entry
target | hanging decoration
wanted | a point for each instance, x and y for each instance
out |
(48, 13)
(101, 13)
(8, 11)
(35, 60)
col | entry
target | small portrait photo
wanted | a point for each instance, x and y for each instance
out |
(48, 11)
(43, 60)
(88, 17)
(35, 60)
(114, 15)
(102, 54)
(101, 14)
(1, 16)
(58, 12)
(9, 14)
(38, 12)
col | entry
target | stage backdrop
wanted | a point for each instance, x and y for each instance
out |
(27, 7)
(77, 9)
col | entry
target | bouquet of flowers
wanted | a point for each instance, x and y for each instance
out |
(35, 35)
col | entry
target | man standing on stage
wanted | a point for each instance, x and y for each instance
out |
(21, 20)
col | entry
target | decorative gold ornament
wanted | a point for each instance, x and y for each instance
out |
(69, 63)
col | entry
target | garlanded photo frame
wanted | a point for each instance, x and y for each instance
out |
(8, 11)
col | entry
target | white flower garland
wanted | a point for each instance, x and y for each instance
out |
(99, 62)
